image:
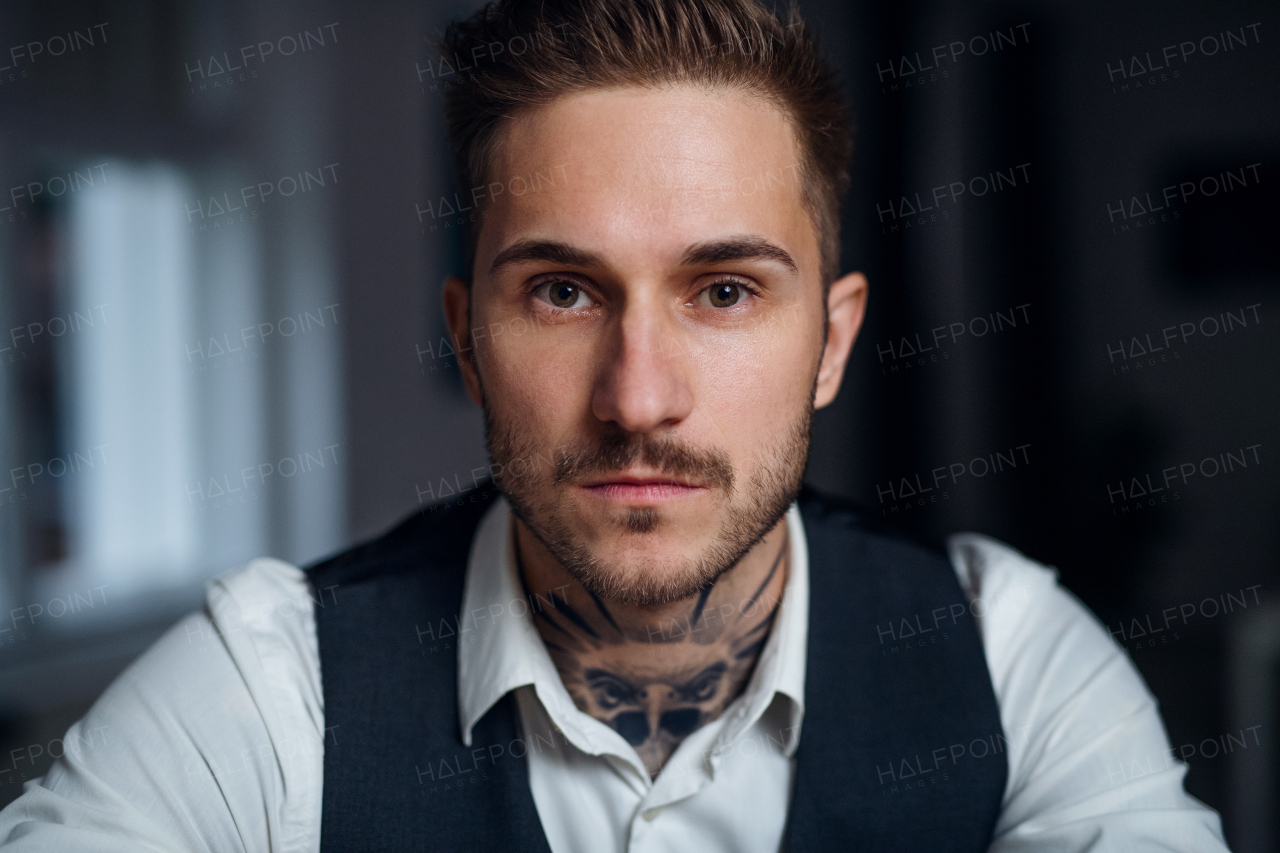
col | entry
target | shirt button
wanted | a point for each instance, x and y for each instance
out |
(650, 814)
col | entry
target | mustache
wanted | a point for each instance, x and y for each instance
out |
(617, 450)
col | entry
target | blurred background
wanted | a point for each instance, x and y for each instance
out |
(224, 227)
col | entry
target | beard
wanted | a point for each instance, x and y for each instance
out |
(538, 495)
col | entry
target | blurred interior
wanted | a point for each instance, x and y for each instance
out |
(221, 249)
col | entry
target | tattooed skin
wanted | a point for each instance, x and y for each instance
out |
(656, 675)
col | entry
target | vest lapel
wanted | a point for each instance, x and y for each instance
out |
(396, 773)
(878, 714)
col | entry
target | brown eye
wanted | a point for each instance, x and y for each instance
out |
(564, 294)
(725, 294)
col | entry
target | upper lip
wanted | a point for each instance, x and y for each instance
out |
(640, 480)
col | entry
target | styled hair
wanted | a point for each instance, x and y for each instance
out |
(520, 54)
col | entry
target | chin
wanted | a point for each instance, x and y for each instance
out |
(643, 586)
(646, 574)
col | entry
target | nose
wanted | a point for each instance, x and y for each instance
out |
(643, 379)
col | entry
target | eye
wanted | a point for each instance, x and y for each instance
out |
(564, 294)
(724, 294)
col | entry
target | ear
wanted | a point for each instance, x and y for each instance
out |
(846, 306)
(457, 305)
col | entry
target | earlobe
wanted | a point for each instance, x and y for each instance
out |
(846, 306)
(457, 311)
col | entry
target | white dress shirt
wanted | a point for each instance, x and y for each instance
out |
(214, 739)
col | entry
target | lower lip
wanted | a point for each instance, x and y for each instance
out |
(643, 493)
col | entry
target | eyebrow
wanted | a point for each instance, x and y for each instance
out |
(700, 254)
(544, 250)
(737, 249)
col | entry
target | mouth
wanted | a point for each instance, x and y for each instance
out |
(642, 489)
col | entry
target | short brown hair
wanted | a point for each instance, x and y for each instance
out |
(578, 45)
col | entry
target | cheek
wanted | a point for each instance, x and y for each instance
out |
(754, 385)
(542, 374)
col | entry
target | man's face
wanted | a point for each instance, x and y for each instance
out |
(648, 323)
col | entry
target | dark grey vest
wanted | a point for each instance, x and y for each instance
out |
(901, 746)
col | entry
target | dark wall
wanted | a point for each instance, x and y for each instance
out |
(1096, 266)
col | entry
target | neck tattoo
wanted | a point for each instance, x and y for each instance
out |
(655, 680)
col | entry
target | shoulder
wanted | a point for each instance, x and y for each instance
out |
(259, 598)
(257, 622)
(212, 739)
(1006, 586)
(243, 682)
(1028, 620)
(1088, 755)
(1043, 645)
(263, 615)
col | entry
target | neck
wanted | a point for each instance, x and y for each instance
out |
(655, 674)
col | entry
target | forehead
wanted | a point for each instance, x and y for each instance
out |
(647, 171)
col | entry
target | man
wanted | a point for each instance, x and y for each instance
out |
(645, 636)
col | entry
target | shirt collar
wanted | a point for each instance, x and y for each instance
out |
(499, 648)
(497, 641)
(781, 668)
